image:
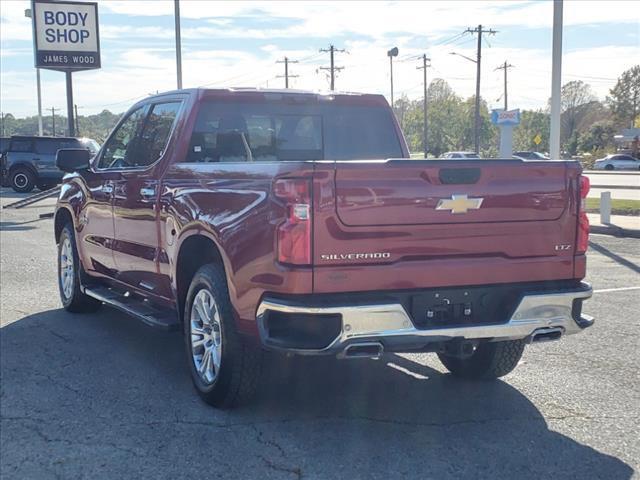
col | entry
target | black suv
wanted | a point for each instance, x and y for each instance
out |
(30, 161)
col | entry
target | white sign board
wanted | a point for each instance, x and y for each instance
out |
(66, 35)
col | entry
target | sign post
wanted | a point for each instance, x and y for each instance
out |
(66, 39)
(506, 120)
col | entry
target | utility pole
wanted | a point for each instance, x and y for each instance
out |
(479, 30)
(75, 107)
(426, 63)
(556, 81)
(286, 75)
(505, 67)
(332, 50)
(178, 44)
(53, 121)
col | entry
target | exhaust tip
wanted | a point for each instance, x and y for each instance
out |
(546, 335)
(363, 350)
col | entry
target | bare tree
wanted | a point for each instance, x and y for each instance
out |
(576, 97)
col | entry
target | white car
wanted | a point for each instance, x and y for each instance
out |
(617, 162)
(470, 155)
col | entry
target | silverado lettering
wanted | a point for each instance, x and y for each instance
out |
(355, 256)
(209, 211)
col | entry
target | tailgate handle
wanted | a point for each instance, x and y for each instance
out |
(459, 176)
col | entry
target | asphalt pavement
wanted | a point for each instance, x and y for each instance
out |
(623, 185)
(103, 396)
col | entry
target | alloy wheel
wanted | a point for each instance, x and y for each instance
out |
(66, 268)
(206, 336)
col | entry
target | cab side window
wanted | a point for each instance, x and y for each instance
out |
(155, 133)
(118, 151)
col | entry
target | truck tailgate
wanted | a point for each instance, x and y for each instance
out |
(402, 224)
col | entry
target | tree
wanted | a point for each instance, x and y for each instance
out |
(532, 123)
(598, 137)
(575, 95)
(625, 97)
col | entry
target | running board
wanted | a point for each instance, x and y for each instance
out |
(136, 307)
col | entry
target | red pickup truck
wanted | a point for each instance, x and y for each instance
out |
(296, 222)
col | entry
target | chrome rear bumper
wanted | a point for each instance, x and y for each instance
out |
(390, 325)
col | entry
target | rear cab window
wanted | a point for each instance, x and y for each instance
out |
(21, 145)
(264, 132)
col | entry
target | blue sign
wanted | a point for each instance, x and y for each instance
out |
(505, 117)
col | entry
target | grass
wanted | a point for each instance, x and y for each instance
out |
(618, 207)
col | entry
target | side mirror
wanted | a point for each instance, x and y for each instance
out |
(73, 159)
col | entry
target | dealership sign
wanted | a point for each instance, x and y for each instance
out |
(505, 117)
(66, 35)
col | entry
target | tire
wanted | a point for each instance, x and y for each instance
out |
(69, 270)
(22, 180)
(608, 167)
(490, 360)
(228, 375)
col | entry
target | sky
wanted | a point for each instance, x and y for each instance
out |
(237, 44)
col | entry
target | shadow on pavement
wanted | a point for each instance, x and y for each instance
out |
(101, 394)
(615, 257)
(19, 226)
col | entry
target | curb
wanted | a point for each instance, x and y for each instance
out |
(615, 231)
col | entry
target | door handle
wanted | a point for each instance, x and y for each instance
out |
(107, 188)
(147, 192)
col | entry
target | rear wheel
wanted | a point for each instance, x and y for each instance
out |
(608, 167)
(490, 360)
(22, 180)
(224, 367)
(69, 268)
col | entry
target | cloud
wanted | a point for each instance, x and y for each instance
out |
(238, 44)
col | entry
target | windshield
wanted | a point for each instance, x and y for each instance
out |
(232, 132)
(90, 145)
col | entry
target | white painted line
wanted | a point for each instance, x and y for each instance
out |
(622, 289)
(407, 371)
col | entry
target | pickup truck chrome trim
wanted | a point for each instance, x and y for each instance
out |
(366, 323)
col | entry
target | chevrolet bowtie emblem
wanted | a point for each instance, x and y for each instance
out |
(459, 203)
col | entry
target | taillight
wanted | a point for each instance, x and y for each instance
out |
(294, 234)
(583, 220)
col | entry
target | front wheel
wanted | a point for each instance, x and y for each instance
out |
(490, 360)
(22, 180)
(72, 297)
(608, 167)
(224, 367)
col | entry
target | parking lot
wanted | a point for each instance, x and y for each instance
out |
(103, 396)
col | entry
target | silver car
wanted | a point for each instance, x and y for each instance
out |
(469, 155)
(617, 161)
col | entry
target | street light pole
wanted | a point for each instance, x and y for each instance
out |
(556, 81)
(178, 44)
(392, 53)
(27, 13)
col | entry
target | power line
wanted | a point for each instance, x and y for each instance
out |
(332, 68)
(449, 40)
(286, 75)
